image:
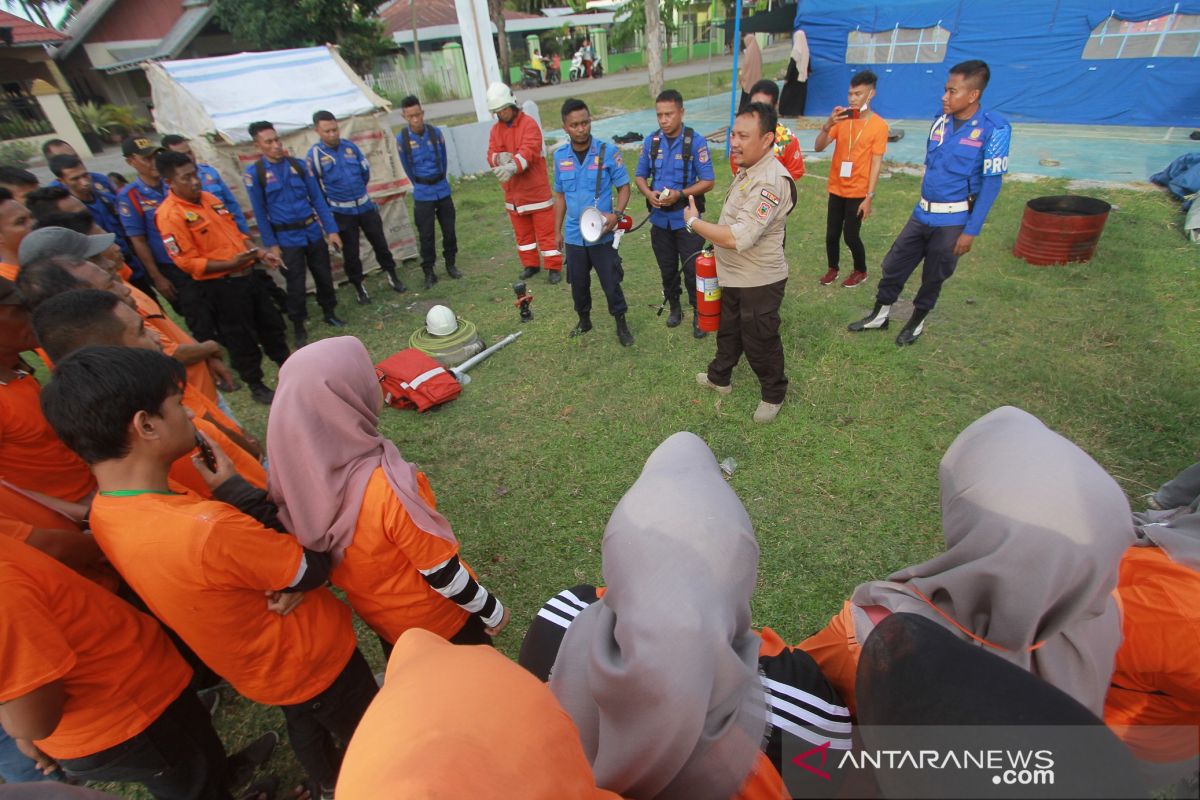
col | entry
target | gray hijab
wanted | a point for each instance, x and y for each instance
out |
(1034, 532)
(661, 674)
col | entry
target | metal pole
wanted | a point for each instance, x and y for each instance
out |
(733, 93)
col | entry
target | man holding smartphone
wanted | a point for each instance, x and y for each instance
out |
(204, 241)
(859, 138)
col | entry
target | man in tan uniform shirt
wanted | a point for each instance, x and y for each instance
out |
(751, 268)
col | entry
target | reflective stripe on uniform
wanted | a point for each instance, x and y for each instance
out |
(530, 246)
(530, 206)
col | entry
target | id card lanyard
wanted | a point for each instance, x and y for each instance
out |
(847, 166)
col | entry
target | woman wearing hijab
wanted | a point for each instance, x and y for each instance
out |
(751, 69)
(795, 82)
(660, 670)
(343, 488)
(1034, 532)
(463, 722)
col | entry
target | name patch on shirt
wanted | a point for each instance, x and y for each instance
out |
(770, 196)
(566, 164)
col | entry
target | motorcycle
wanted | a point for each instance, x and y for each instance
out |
(578, 72)
(532, 78)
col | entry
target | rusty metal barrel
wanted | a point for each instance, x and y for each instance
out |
(1060, 229)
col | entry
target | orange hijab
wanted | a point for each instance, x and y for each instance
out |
(460, 721)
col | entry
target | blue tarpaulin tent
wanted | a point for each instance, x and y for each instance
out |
(1143, 64)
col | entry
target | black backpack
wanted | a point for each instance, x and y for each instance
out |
(655, 146)
(434, 140)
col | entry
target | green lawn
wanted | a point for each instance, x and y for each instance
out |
(529, 462)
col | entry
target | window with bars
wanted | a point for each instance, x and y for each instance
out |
(898, 46)
(1170, 36)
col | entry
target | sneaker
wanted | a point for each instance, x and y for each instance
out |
(766, 412)
(360, 292)
(529, 272)
(855, 279)
(332, 319)
(554, 277)
(830, 276)
(262, 393)
(702, 379)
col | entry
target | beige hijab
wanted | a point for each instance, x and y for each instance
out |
(752, 62)
(1034, 532)
(800, 54)
(661, 674)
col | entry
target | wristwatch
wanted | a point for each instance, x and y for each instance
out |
(870, 195)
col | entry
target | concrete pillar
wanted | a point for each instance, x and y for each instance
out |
(599, 37)
(453, 53)
(479, 51)
(56, 112)
(532, 42)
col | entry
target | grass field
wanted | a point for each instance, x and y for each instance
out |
(529, 462)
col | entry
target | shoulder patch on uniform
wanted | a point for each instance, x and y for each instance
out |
(349, 152)
(764, 210)
(126, 210)
(703, 155)
(771, 197)
(247, 179)
(976, 133)
(171, 245)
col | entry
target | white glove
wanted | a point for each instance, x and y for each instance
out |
(504, 158)
(504, 172)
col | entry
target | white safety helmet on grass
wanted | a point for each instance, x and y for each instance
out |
(440, 321)
(499, 96)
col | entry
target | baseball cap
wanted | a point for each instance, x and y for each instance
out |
(8, 293)
(172, 139)
(138, 146)
(45, 242)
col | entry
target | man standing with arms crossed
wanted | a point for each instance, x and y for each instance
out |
(516, 158)
(295, 224)
(751, 267)
(674, 166)
(859, 137)
(422, 151)
(966, 157)
(343, 173)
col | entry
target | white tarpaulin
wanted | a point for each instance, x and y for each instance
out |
(212, 102)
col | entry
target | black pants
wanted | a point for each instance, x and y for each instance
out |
(750, 325)
(178, 757)
(603, 258)
(191, 301)
(312, 257)
(842, 220)
(671, 247)
(473, 631)
(918, 241)
(371, 224)
(313, 725)
(248, 323)
(424, 213)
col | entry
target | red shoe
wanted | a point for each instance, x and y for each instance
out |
(830, 276)
(855, 279)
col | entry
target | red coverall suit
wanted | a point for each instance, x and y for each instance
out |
(527, 194)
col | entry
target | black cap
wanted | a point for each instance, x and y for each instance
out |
(172, 139)
(139, 146)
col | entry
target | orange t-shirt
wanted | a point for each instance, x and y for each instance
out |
(1156, 681)
(31, 454)
(201, 407)
(171, 335)
(183, 471)
(856, 141)
(196, 233)
(836, 650)
(20, 515)
(9, 271)
(379, 572)
(118, 668)
(203, 568)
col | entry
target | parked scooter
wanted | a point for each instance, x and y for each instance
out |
(532, 78)
(577, 71)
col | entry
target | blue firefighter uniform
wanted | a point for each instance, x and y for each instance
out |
(212, 182)
(424, 158)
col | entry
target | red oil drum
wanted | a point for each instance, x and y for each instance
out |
(1056, 230)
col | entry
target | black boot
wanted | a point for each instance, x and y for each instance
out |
(299, 334)
(333, 320)
(430, 277)
(529, 272)
(912, 329)
(360, 292)
(395, 282)
(623, 334)
(697, 331)
(876, 320)
(261, 393)
(453, 272)
(676, 315)
(554, 277)
(584, 325)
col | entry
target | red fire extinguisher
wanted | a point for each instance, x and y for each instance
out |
(708, 292)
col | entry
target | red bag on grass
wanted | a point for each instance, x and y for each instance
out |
(412, 379)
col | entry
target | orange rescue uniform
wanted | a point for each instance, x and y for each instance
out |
(196, 233)
(117, 667)
(172, 336)
(31, 454)
(203, 568)
(527, 194)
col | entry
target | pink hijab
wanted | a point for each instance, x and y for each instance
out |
(324, 444)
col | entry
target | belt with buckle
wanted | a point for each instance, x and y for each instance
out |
(295, 226)
(944, 208)
(350, 204)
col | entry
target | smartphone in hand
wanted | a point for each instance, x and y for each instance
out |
(206, 453)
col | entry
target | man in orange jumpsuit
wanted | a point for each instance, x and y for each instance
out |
(515, 156)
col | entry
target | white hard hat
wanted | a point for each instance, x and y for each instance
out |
(440, 321)
(499, 96)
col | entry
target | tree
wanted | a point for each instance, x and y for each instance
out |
(350, 24)
(496, 12)
(654, 47)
